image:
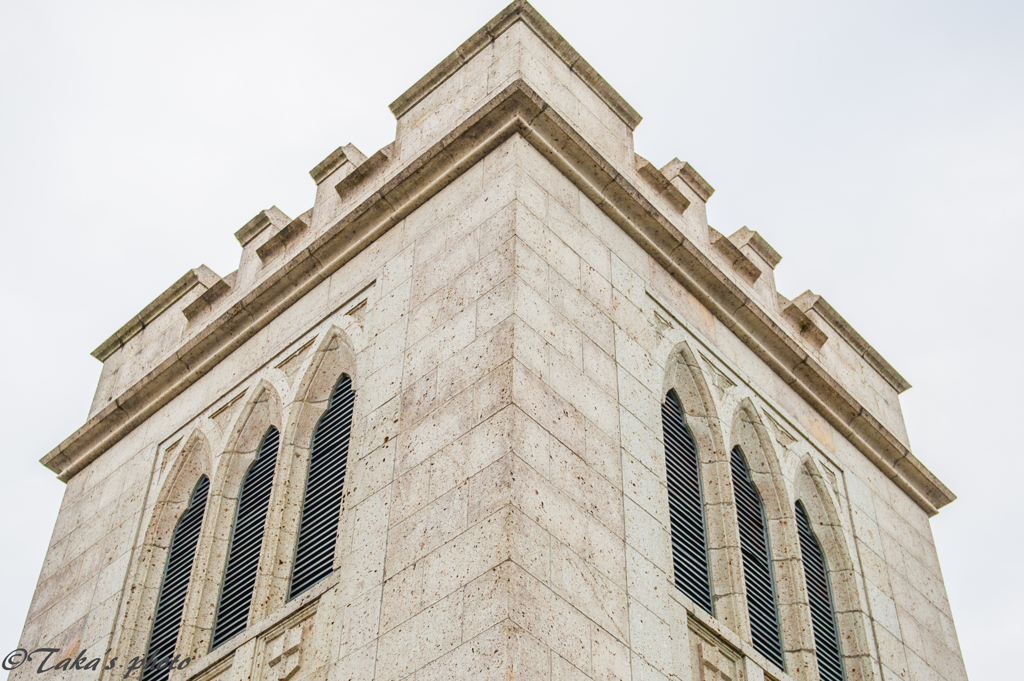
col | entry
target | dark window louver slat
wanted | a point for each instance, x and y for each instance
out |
(758, 577)
(686, 506)
(325, 481)
(170, 601)
(827, 648)
(246, 542)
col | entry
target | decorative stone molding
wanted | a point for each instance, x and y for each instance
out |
(271, 217)
(685, 172)
(365, 170)
(336, 159)
(284, 654)
(809, 331)
(720, 380)
(710, 658)
(518, 11)
(748, 237)
(515, 110)
(199, 276)
(782, 436)
(291, 232)
(206, 299)
(808, 301)
(293, 362)
(736, 258)
(224, 414)
(664, 187)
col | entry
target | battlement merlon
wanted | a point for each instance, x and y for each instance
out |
(522, 91)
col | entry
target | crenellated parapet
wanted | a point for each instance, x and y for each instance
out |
(500, 404)
(517, 76)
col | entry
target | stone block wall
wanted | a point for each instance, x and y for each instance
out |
(511, 334)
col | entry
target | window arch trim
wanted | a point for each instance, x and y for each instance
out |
(828, 648)
(758, 570)
(246, 543)
(687, 516)
(177, 575)
(317, 536)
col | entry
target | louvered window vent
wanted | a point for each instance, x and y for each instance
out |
(321, 507)
(246, 542)
(170, 602)
(686, 505)
(819, 591)
(758, 578)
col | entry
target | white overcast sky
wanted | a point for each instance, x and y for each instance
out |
(878, 146)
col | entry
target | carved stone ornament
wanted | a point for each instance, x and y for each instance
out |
(721, 382)
(782, 436)
(284, 654)
(710, 663)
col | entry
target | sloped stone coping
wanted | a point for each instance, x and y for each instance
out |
(517, 109)
(520, 10)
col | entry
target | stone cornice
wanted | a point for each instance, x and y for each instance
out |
(811, 301)
(661, 184)
(337, 158)
(691, 177)
(520, 10)
(746, 236)
(515, 110)
(265, 218)
(200, 275)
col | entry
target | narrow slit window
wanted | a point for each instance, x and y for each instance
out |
(686, 505)
(325, 481)
(170, 601)
(758, 577)
(246, 542)
(827, 648)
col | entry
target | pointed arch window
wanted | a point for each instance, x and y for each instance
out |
(827, 649)
(170, 601)
(758, 578)
(246, 542)
(686, 505)
(321, 506)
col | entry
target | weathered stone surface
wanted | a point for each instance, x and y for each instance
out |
(512, 292)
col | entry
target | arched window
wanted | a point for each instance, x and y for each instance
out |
(823, 612)
(246, 542)
(321, 506)
(686, 505)
(170, 601)
(758, 578)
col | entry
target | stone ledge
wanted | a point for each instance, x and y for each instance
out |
(711, 626)
(811, 301)
(664, 187)
(808, 329)
(291, 611)
(337, 158)
(736, 258)
(281, 239)
(685, 172)
(517, 109)
(748, 237)
(265, 218)
(519, 10)
(199, 276)
(365, 170)
(206, 299)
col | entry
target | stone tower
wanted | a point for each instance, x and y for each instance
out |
(518, 302)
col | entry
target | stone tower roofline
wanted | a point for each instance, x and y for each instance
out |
(520, 10)
(451, 119)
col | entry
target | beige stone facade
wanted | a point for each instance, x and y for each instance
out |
(513, 291)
